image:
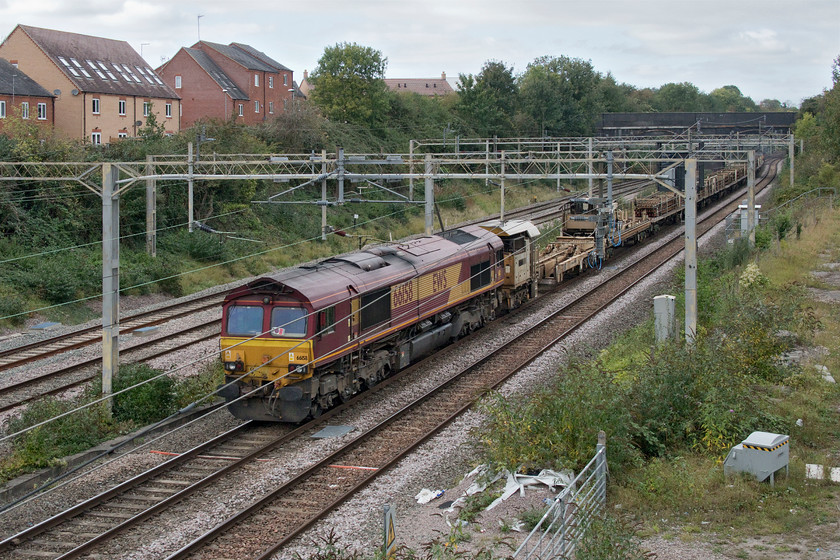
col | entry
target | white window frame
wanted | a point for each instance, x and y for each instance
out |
(271, 107)
(256, 80)
(2, 109)
(285, 79)
(271, 82)
(122, 134)
(256, 106)
(95, 105)
(96, 138)
(24, 110)
(169, 110)
(241, 110)
(121, 107)
(177, 82)
(42, 111)
(146, 105)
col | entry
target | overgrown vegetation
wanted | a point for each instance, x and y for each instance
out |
(154, 397)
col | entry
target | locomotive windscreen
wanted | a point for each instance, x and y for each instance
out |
(288, 321)
(244, 320)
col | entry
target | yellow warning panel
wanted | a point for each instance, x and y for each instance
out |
(390, 532)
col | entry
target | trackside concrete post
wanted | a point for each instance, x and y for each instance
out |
(110, 275)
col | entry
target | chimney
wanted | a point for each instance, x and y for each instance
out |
(443, 76)
(305, 74)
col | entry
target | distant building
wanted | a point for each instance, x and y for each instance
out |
(305, 85)
(21, 96)
(233, 81)
(105, 90)
(422, 86)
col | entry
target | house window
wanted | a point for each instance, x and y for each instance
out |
(95, 138)
(122, 134)
(241, 109)
(146, 108)
(271, 107)
(2, 109)
(285, 79)
(256, 106)
(122, 107)
(256, 80)
(284, 104)
(95, 105)
(271, 82)
(24, 110)
(169, 110)
(177, 82)
(42, 111)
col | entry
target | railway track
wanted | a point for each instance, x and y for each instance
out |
(312, 494)
(81, 529)
(42, 349)
(60, 380)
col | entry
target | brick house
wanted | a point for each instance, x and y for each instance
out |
(422, 86)
(105, 88)
(21, 96)
(228, 81)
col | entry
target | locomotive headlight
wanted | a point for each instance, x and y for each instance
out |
(238, 365)
(297, 369)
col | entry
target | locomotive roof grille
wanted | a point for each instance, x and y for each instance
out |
(458, 236)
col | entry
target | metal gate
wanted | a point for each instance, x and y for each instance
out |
(571, 512)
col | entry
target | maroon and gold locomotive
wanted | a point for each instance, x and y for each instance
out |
(295, 343)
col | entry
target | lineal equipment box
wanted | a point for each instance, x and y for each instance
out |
(761, 454)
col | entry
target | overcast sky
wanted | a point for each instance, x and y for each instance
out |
(768, 48)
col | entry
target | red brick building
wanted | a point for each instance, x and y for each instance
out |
(232, 81)
(21, 96)
(105, 88)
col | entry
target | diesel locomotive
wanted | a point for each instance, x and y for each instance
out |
(297, 342)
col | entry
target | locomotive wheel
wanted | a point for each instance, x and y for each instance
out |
(315, 410)
(346, 394)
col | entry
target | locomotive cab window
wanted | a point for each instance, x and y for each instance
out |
(479, 275)
(244, 320)
(288, 321)
(326, 321)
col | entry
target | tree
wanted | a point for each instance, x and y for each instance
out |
(349, 84)
(729, 99)
(683, 97)
(488, 101)
(561, 95)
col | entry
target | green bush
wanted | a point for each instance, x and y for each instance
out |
(41, 446)
(12, 305)
(609, 538)
(147, 403)
(558, 427)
